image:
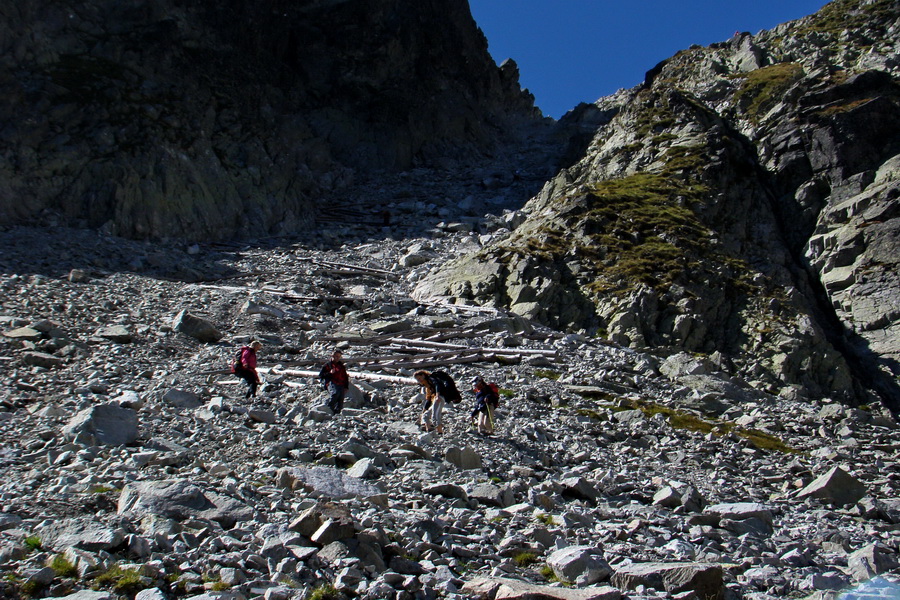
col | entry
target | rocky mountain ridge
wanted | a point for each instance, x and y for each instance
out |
(214, 120)
(740, 203)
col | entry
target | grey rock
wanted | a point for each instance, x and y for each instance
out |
(332, 531)
(182, 399)
(116, 333)
(502, 588)
(579, 487)
(198, 328)
(180, 500)
(704, 580)
(86, 595)
(739, 511)
(581, 565)
(28, 334)
(326, 482)
(152, 594)
(491, 495)
(107, 424)
(255, 308)
(448, 490)
(8, 521)
(466, 458)
(869, 561)
(82, 533)
(260, 415)
(363, 468)
(835, 487)
(42, 359)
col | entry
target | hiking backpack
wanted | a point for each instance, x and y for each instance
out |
(496, 393)
(446, 387)
(236, 363)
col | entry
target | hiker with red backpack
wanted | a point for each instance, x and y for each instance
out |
(487, 399)
(336, 381)
(244, 366)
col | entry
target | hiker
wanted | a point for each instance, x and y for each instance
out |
(486, 402)
(245, 367)
(336, 381)
(430, 420)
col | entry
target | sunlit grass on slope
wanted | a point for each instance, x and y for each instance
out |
(637, 229)
(688, 421)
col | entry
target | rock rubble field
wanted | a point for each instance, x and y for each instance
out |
(133, 467)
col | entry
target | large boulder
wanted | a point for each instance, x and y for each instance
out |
(180, 499)
(704, 580)
(581, 565)
(835, 487)
(104, 424)
(326, 482)
(83, 533)
(196, 327)
(502, 588)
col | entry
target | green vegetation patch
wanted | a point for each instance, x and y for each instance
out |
(323, 592)
(33, 542)
(544, 518)
(546, 374)
(124, 581)
(525, 559)
(688, 421)
(549, 574)
(763, 88)
(643, 227)
(841, 15)
(62, 566)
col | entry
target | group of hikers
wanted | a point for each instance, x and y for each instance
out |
(438, 386)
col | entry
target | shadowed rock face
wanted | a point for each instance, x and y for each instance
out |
(740, 203)
(209, 120)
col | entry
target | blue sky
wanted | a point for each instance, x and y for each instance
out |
(573, 51)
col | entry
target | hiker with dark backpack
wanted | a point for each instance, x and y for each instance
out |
(487, 399)
(439, 388)
(336, 381)
(244, 366)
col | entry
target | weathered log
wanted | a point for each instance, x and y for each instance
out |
(363, 376)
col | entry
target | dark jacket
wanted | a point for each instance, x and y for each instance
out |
(335, 372)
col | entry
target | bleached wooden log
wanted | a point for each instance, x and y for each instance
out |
(363, 376)
(515, 351)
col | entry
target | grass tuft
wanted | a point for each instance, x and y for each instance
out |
(33, 542)
(544, 518)
(524, 559)
(325, 591)
(124, 581)
(62, 567)
(549, 574)
(546, 374)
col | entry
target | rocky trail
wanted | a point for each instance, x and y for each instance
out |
(132, 466)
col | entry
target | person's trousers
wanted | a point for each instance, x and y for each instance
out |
(431, 416)
(250, 379)
(336, 401)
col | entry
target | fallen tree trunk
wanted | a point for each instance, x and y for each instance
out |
(363, 376)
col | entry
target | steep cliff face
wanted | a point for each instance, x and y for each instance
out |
(740, 203)
(209, 119)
